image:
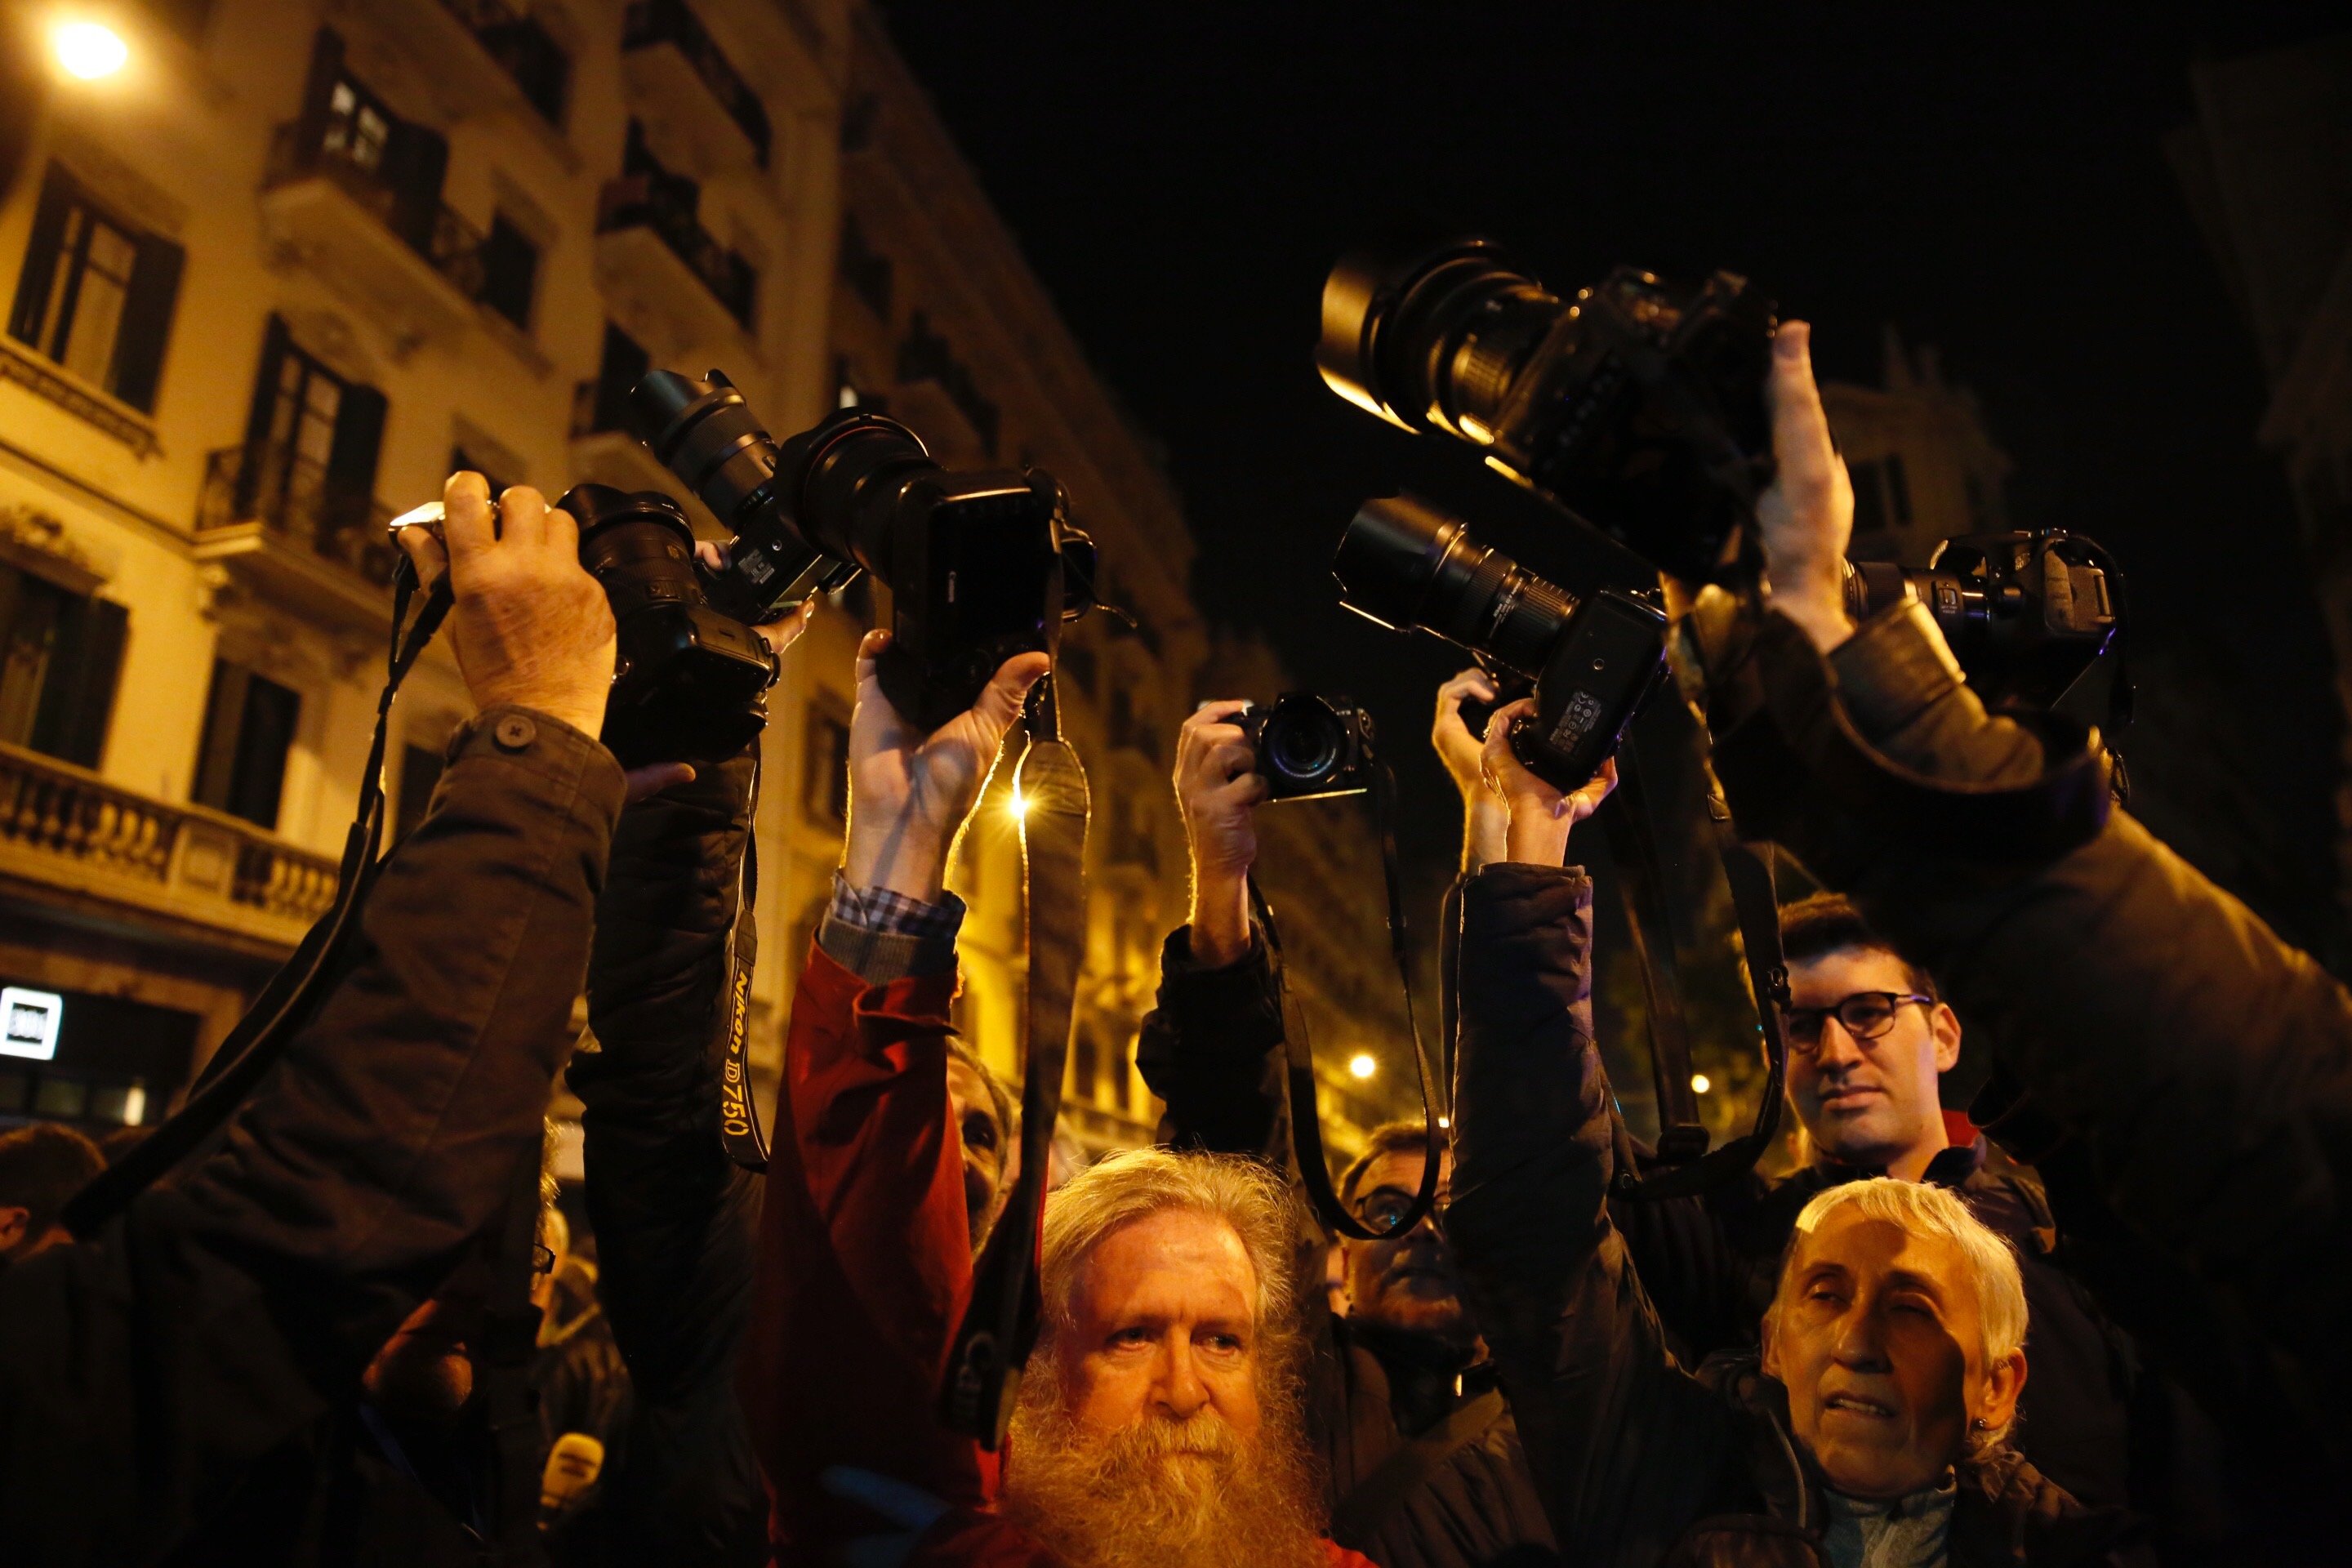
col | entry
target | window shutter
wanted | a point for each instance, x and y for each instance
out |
(351, 461)
(41, 258)
(318, 94)
(416, 160)
(275, 342)
(78, 698)
(147, 321)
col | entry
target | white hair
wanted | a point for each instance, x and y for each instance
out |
(1921, 1209)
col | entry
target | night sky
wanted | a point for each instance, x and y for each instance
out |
(1989, 178)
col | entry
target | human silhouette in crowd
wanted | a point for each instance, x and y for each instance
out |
(1873, 1428)
(41, 1166)
(1420, 1459)
(2180, 1078)
(1158, 1420)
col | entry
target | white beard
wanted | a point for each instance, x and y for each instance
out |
(1157, 1492)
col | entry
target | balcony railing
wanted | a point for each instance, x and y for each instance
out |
(666, 204)
(524, 50)
(453, 246)
(652, 22)
(294, 497)
(68, 826)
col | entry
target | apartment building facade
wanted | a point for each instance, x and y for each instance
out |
(269, 283)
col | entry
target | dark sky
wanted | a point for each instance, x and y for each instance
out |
(1987, 177)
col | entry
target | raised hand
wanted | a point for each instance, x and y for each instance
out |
(910, 792)
(1806, 519)
(1463, 755)
(1540, 814)
(530, 626)
(1218, 791)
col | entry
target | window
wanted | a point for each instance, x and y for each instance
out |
(1869, 498)
(420, 770)
(59, 654)
(249, 724)
(1086, 1065)
(359, 127)
(825, 763)
(510, 269)
(96, 294)
(312, 439)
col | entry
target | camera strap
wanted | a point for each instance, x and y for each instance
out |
(1691, 1167)
(739, 1108)
(260, 1038)
(1000, 1325)
(1641, 886)
(1306, 1117)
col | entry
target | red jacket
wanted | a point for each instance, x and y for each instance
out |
(865, 1265)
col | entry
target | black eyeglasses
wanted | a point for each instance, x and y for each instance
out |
(542, 1260)
(1865, 1015)
(1384, 1208)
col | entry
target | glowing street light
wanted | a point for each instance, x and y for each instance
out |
(1699, 1083)
(88, 50)
(1362, 1065)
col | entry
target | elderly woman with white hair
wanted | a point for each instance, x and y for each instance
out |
(1872, 1432)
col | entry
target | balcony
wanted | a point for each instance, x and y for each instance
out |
(278, 522)
(479, 55)
(65, 829)
(403, 254)
(653, 253)
(683, 86)
(605, 453)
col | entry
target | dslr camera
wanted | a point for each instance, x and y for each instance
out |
(980, 566)
(1404, 564)
(2026, 614)
(1310, 747)
(1637, 406)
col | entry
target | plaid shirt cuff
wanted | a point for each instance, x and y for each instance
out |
(881, 935)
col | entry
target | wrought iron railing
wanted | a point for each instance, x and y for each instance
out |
(666, 203)
(82, 829)
(453, 246)
(651, 22)
(295, 496)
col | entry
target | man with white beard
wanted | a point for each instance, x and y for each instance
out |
(1158, 1422)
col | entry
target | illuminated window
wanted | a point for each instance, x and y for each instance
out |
(96, 294)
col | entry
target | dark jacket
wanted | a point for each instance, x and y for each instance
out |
(1639, 1461)
(1709, 1264)
(184, 1386)
(675, 1217)
(1212, 1050)
(2187, 1077)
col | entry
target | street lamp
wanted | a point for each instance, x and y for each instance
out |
(1699, 1083)
(1362, 1065)
(88, 50)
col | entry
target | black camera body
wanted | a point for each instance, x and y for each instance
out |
(1637, 406)
(2026, 614)
(1404, 564)
(980, 566)
(1310, 747)
(691, 683)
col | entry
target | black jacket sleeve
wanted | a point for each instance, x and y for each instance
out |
(2207, 1065)
(145, 1374)
(1626, 1447)
(675, 1217)
(1213, 1051)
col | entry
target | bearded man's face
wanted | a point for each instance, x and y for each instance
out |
(1157, 1426)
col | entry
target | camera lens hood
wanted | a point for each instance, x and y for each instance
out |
(1364, 297)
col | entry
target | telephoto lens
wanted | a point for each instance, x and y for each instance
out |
(981, 566)
(1310, 747)
(1636, 406)
(1404, 564)
(691, 683)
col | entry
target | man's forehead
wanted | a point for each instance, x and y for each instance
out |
(1846, 970)
(1398, 1168)
(1176, 1263)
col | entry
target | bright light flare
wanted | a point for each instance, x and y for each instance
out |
(1362, 1065)
(1017, 804)
(88, 50)
(1700, 1083)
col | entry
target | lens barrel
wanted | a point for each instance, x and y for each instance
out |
(1431, 337)
(1406, 564)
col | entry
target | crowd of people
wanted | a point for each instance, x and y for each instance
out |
(2100, 1319)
